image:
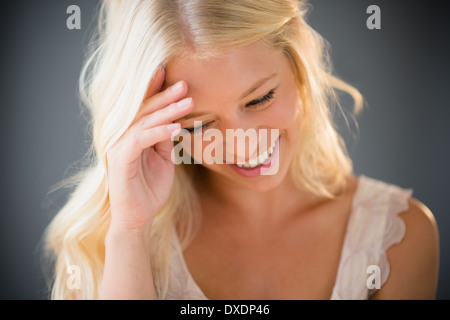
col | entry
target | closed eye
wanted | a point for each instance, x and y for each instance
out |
(200, 127)
(254, 104)
(262, 101)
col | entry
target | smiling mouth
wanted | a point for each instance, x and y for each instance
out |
(258, 161)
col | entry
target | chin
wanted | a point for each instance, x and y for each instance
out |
(260, 183)
(265, 184)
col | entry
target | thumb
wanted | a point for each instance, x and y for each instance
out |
(164, 149)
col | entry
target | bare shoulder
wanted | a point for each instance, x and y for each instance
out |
(414, 261)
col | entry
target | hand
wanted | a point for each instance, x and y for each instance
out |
(140, 169)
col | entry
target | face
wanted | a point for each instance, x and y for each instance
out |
(250, 89)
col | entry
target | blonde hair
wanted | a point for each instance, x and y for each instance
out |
(135, 37)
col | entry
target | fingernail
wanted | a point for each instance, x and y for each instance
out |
(184, 103)
(177, 87)
(173, 126)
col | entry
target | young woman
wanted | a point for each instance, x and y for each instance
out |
(139, 226)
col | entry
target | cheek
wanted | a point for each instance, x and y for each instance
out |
(286, 112)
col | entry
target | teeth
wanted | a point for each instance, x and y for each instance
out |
(264, 156)
(259, 160)
(240, 164)
(271, 148)
(253, 162)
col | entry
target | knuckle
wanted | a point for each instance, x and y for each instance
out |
(162, 131)
(171, 110)
(134, 140)
(168, 95)
(142, 122)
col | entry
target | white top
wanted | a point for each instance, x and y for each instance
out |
(373, 226)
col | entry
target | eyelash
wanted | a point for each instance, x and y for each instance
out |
(257, 103)
(254, 104)
(203, 126)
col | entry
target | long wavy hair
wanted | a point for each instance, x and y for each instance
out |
(133, 39)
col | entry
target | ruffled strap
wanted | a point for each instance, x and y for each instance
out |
(373, 227)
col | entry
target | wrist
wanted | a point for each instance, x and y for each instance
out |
(134, 237)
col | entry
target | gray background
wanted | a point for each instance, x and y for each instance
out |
(402, 70)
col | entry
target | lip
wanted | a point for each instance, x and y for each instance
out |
(256, 171)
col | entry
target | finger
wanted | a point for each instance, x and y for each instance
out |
(156, 83)
(143, 139)
(168, 114)
(164, 149)
(164, 98)
(153, 88)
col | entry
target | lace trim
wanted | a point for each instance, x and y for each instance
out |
(395, 231)
(373, 228)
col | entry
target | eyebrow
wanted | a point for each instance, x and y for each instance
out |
(258, 84)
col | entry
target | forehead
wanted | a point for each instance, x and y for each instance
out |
(226, 76)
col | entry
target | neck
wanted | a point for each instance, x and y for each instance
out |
(244, 205)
